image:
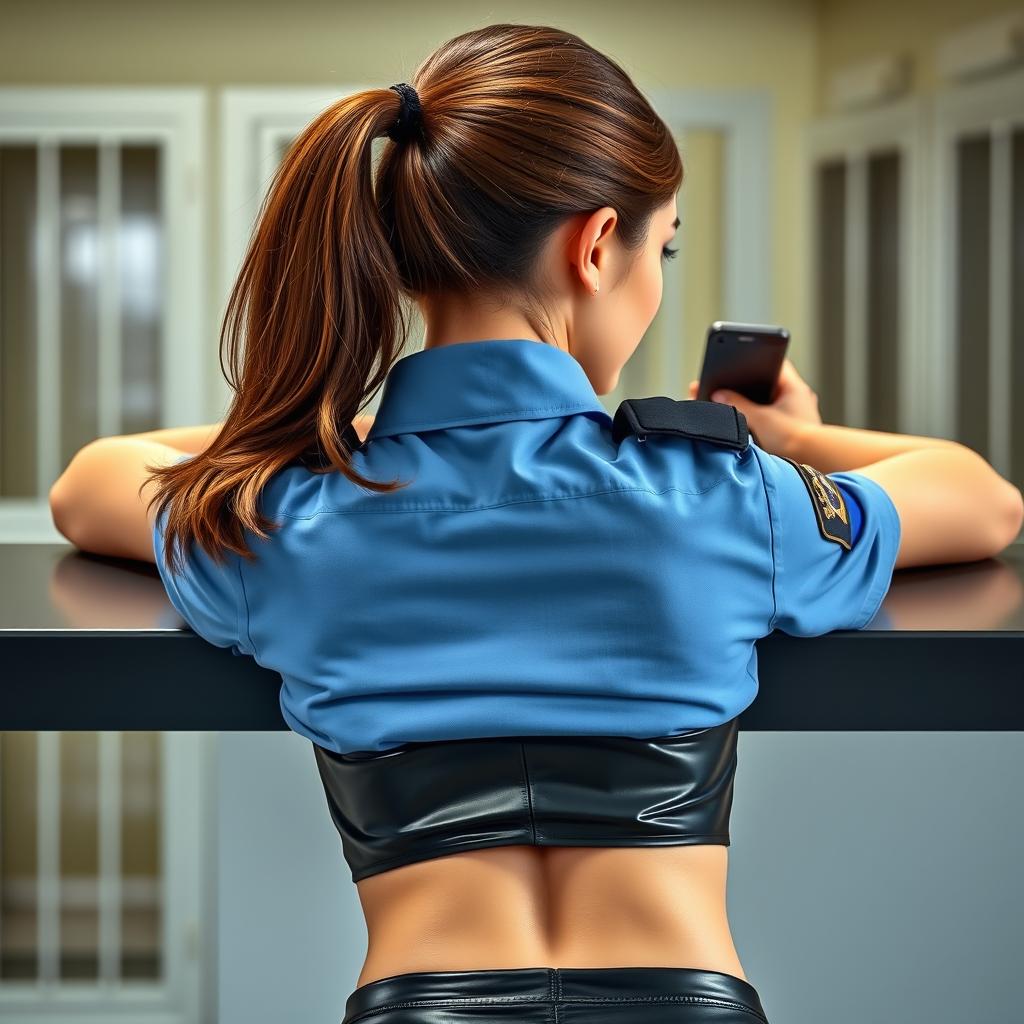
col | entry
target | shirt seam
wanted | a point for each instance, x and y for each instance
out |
(771, 536)
(501, 504)
(245, 599)
(869, 606)
(485, 417)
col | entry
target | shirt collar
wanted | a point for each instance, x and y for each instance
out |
(483, 382)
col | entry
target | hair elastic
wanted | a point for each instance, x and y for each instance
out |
(409, 117)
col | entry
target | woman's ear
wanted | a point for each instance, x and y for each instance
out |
(589, 245)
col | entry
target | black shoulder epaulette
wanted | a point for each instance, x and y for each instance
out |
(689, 417)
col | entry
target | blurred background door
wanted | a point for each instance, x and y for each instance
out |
(101, 279)
(100, 867)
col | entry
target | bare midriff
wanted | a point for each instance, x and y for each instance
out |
(531, 906)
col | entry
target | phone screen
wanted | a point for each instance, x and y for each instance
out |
(745, 358)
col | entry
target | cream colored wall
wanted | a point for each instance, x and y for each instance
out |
(850, 31)
(740, 44)
(784, 47)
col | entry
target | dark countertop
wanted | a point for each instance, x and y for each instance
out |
(91, 642)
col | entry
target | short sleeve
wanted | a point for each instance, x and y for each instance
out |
(208, 596)
(834, 543)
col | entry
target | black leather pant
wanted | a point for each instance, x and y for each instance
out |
(557, 995)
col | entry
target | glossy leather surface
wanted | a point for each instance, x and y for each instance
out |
(424, 800)
(543, 995)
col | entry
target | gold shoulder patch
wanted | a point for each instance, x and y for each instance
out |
(829, 506)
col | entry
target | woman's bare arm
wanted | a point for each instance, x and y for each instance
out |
(831, 448)
(96, 502)
(185, 439)
(953, 505)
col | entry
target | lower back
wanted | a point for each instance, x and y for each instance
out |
(530, 906)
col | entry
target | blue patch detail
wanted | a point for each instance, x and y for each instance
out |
(853, 507)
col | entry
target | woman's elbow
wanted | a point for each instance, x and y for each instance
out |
(65, 507)
(61, 511)
(1013, 517)
(992, 502)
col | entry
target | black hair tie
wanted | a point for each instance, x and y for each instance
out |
(409, 119)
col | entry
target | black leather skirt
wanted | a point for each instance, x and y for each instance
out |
(553, 995)
(429, 799)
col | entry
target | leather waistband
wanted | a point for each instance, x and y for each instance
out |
(428, 799)
(555, 986)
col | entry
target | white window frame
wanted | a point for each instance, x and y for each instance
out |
(187, 991)
(255, 119)
(993, 105)
(175, 119)
(852, 138)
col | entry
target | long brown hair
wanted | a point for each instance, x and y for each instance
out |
(523, 126)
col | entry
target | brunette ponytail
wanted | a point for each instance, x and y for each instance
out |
(518, 128)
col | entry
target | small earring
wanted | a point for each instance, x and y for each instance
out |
(597, 288)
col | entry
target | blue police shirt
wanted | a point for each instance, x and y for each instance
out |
(535, 577)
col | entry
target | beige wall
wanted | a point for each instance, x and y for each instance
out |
(853, 30)
(741, 44)
(783, 47)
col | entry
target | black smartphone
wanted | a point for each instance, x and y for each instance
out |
(745, 358)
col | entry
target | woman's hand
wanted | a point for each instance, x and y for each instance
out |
(794, 405)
